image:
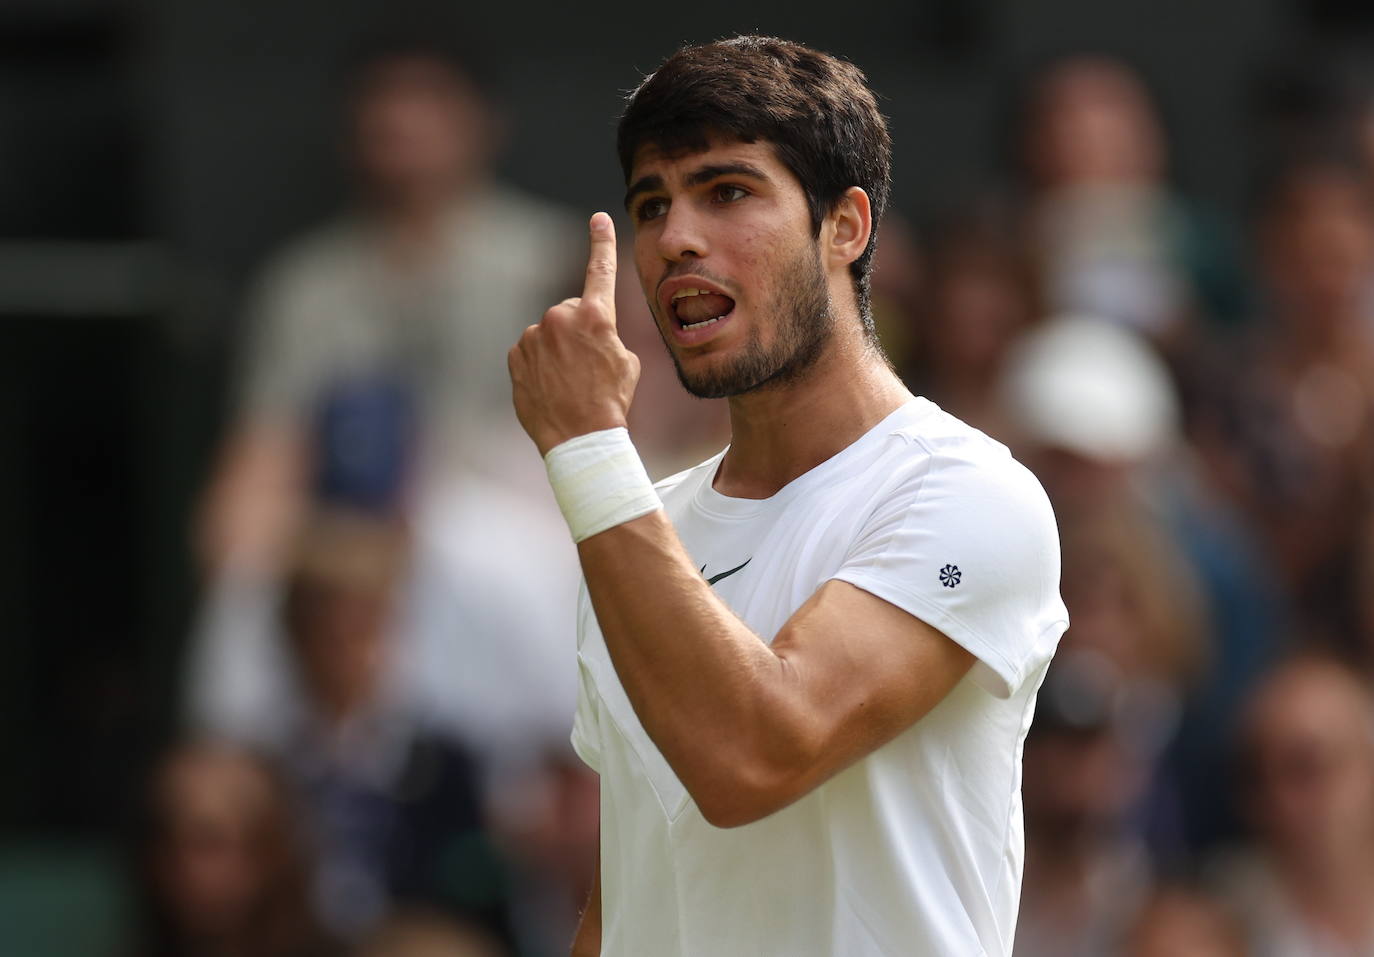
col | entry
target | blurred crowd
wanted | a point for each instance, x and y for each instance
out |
(381, 677)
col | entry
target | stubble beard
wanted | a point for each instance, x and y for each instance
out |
(801, 307)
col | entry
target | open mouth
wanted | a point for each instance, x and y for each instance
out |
(699, 308)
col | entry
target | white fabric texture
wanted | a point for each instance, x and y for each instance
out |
(915, 849)
(599, 482)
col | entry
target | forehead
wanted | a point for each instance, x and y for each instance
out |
(652, 160)
(1313, 706)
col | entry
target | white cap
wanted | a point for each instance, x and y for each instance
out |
(1093, 388)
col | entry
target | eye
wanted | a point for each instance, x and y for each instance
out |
(650, 209)
(729, 193)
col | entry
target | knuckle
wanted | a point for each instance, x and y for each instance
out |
(562, 311)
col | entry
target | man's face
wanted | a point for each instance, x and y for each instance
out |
(418, 126)
(730, 266)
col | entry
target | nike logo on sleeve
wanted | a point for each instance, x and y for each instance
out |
(715, 578)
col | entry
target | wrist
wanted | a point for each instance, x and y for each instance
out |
(599, 481)
(549, 439)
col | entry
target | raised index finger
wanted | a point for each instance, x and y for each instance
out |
(600, 284)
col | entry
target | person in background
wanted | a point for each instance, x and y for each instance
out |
(1183, 921)
(1139, 615)
(1088, 871)
(1307, 885)
(982, 294)
(1115, 239)
(396, 810)
(1287, 426)
(1096, 415)
(375, 383)
(224, 861)
(417, 288)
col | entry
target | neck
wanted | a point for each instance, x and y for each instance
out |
(1337, 897)
(413, 217)
(780, 432)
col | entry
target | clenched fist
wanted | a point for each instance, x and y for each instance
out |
(571, 373)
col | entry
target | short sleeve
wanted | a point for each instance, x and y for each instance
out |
(274, 373)
(586, 730)
(969, 546)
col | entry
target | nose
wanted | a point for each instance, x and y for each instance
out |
(682, 234)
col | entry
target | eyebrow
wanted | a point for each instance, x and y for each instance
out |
(697, 177)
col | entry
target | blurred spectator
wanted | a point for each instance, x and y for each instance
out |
(1139, 631)
(396, 809)
(1132, 601)
(1308, 886)
(376, 383)
(416, 294)
(1116, 241)
(1180, 921)
(1095, 415)
(225, 871)
(1288, 423)
(1087, 872)
(426, 934)
(549, 822)
(982, 294)
(1092, 410)
(476, 651)
(479, 632)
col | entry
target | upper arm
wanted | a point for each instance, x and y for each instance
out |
(857, 671)
(954, 574)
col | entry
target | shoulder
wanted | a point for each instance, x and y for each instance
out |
(523, 219)
(964, 539)
(325, 246)
(312, 260)
(958, 498)
(951, 464)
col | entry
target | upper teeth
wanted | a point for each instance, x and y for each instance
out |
(681, 293)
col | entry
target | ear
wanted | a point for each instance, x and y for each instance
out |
(849, 225)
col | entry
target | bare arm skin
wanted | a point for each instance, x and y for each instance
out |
(251, 504)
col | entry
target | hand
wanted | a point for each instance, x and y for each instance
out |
(571, 374)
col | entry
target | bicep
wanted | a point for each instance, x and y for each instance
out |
(860, 671)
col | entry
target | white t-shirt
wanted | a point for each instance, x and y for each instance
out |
(915, 849)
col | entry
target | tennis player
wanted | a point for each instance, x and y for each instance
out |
(809, 663)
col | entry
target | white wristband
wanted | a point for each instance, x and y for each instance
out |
(599, 482)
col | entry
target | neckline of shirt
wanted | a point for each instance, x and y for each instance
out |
(708, 500)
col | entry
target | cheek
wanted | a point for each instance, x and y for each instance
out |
(761, 258)
(648, 268)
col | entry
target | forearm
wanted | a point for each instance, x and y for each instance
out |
(715, 699)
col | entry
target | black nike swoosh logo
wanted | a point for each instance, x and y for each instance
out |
(715, 578)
